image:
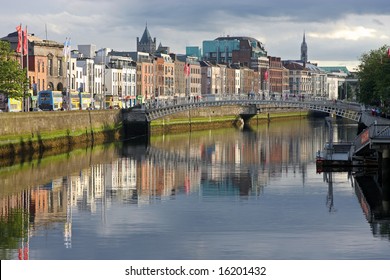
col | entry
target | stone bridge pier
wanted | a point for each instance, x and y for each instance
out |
(135, 123)
(248, 112)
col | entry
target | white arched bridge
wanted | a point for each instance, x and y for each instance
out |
(250, 106)
(373, 139)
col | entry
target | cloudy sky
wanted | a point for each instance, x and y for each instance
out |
(337, 32)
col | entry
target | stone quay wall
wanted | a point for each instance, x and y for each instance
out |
(30, 132)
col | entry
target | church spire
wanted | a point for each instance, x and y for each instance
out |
(304, 50)
(146, 44)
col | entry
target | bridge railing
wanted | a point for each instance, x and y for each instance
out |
(167, 102)
(380, 131)
(158, 108)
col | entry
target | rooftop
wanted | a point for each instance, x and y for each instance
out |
(335, 69)
(146, 38)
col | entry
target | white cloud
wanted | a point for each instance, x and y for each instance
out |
(354, 33)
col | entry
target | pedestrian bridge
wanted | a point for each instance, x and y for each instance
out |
(250, 106)
(375, 138)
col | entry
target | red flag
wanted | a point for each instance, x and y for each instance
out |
(266, 75)
(25, 41)
(187, 69)
(19, 47)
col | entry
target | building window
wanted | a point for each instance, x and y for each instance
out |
(50, 67)
(60, 72)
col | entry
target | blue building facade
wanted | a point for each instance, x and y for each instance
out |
(194, 51)
(228, 50)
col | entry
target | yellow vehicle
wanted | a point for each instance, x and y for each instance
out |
(14, 105)
(85, 100)
(74, 101)
(10, 104)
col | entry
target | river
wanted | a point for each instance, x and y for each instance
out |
(219, 194)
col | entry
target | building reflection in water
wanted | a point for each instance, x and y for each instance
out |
(206, 163)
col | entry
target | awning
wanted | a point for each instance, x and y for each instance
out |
(129, 97)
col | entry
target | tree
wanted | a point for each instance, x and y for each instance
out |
(13, 229)
(13, 79)
(374, 76)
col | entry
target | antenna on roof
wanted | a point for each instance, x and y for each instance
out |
(46, 31)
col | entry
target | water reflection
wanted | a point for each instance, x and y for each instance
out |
(373, 195)
(255, 156)
(76, 195)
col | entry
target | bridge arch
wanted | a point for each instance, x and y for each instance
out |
(350, 111)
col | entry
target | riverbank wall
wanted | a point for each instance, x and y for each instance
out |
(34, 133)
(37, 132)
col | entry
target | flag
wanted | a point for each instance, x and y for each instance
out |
(187, 69)
(25, 41)
(388, 52)
(266, 75)
(66, 50)
(19, 30)
(69, 46)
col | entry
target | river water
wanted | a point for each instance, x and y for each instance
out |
(219, 194)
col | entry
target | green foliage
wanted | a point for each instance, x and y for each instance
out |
(13, 79)
(13, 228)
(374, 76)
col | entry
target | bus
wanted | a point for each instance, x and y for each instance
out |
(10, 104)
(14, 105)
(74, 100)
(86, 100)
(49, 100)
